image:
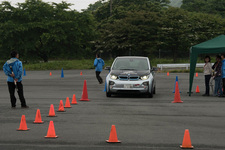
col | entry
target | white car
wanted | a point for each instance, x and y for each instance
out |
(131, 74)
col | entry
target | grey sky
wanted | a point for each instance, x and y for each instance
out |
(78, 4)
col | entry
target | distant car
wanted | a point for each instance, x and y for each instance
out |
(131, 74)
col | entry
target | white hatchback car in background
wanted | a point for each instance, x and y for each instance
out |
(131, 75)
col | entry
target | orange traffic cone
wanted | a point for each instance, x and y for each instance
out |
(61, 107)
(81, 73)
(23, 124)
(177, 95)
(196, 74)
(186, 141)
(38, 117)
(113, 136)
(67, 105)
(51, 111)
(51, 131)
(50, 73)
(74, 100)
(168, 74)
(197, 89)
(85, 93)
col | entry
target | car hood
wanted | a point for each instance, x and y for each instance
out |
(130, 72)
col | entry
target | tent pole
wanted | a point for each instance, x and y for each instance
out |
(193, 61)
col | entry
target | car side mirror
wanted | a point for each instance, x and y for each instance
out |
(154, 69)
(108, 68)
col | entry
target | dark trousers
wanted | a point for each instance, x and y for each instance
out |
(98, 76)
(207, 78)
(223, 86)
(12, 88)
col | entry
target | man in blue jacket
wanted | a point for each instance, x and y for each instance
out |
(223, 72)
(98, 63)
(13, 68)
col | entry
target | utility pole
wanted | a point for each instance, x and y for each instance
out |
(111, 1)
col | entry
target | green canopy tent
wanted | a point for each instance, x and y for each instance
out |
(216, 45)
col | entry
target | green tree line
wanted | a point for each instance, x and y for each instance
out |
(43, 31)
(145, 27)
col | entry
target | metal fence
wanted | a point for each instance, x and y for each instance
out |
(185, 66)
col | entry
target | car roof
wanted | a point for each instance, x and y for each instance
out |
(131, 57)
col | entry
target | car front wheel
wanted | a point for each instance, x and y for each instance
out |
(154, 91)
(150, 95)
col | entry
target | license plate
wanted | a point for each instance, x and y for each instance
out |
(128, 86)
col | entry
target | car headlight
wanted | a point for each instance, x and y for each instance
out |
(144, 77)
(114, 77)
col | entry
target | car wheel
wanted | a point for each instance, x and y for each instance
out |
(108, 94)
(150, 95)
(154, 90)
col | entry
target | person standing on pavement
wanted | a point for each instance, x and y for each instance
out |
(13, 68)
(207, 74)
(223, 72)
(217, 75)
(99, 63)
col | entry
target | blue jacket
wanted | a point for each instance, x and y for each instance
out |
(223, 68)
(17, 69)
(99, 63)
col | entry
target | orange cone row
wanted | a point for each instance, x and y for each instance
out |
(38, 119)
(112, 136)
(186, 144)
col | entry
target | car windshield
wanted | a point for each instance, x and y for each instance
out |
(131, 64)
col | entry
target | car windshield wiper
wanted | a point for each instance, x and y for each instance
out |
(128, 69)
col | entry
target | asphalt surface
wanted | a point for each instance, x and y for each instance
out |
(141, 123)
